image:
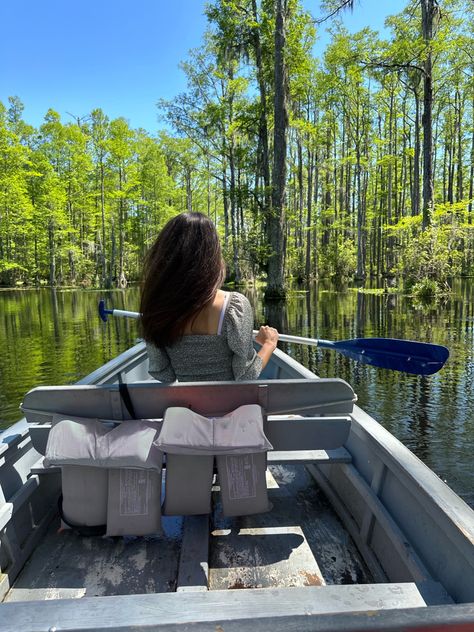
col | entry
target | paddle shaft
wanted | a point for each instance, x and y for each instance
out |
(122, 312)
(301, 340)
(408, 356)
(281, 337)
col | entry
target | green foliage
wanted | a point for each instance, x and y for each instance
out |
(430, 256)
(81, 202)
(338, 260)
(78, 203)
(10, 273)
(426, 289)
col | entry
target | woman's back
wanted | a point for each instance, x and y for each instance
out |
(226, 354)
(191, 333)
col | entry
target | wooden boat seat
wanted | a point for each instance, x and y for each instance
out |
(325, 404)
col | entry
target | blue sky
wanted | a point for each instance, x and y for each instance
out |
(119, 55)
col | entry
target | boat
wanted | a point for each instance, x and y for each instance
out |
(361, 535)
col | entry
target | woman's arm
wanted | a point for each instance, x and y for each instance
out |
(159, 364)
(268, 338)
(247, 364)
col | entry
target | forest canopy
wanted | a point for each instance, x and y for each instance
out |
(357, 164)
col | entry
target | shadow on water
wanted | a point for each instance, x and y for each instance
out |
(56, 337)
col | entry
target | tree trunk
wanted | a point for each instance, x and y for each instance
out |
(450, 197)
(72, 267)
(299, 225)
(360, 272)
(189, 192)
(233, 214)
(445, 171)
(264, 167)
(275, 282)
(309, 200)
(122, 279)
(225, 199)
(112, 265)
(102, 215)
(471, 171)
(391, 152)
(327, 199)
(52, 254)
(309, 209)
(459, 179)
(208, 178)
(428, 11)
(415, 207)
(315, 202)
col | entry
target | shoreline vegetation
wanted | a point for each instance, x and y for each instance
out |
(424, 290)
(352, 167)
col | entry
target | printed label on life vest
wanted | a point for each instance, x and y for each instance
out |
(134, 492)
(241, 476)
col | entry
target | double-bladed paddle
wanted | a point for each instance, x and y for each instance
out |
(419, 358)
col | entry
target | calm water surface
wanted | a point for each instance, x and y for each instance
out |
(56, 337)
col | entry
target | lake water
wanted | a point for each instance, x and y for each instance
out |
(56, 337)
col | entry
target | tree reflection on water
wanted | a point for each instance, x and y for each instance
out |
(55, 337)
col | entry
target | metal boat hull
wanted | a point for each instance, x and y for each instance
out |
(414, 536)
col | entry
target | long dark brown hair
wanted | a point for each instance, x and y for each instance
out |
(182, 272)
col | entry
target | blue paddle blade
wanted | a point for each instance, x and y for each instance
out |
(102, 311)
(420, 358)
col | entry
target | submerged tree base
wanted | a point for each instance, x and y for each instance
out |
(275, 294)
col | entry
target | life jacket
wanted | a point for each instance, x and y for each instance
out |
(237, 442)
(111, 474)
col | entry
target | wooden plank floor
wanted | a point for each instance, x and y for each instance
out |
(66, 565)
(300, 542)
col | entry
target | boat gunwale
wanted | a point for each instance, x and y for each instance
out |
(441, 497)
(139, 612)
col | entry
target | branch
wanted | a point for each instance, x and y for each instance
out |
(343, 5)
(393, 65)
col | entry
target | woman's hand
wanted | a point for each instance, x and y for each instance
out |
(267, 336)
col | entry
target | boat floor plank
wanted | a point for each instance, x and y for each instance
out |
(67, 565)
(300, 542)
(194, 559)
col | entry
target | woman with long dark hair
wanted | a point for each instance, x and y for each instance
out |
(194, 330)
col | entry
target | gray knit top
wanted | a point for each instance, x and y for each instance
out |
(211, 357)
